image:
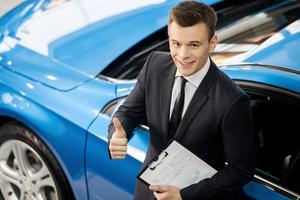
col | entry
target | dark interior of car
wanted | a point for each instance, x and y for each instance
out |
(278, 151)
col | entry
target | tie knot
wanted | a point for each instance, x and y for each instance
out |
(183, 81)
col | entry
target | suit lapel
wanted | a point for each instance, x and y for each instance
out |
(167, 80)
(198, 100)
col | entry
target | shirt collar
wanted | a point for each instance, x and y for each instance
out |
(196, 78)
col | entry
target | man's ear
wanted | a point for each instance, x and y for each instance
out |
(213, 43)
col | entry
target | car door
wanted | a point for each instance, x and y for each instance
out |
(274, 112)
(112, 179)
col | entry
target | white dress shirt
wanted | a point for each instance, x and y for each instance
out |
(193, 81)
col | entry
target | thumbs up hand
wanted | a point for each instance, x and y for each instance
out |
(118, 141)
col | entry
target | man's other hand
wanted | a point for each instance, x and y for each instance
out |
(165, 192)
(118, 141)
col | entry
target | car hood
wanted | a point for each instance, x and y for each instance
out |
(41, 69)
(282, 49)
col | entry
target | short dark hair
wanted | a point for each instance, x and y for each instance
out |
(190, 13)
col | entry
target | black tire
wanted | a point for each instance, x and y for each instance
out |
(18, 134)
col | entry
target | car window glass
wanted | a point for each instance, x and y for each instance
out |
(247, 33)
(277, 133)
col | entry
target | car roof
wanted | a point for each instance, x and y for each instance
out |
(277, 77)
(282, 49)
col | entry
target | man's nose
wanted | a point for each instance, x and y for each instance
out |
(183, 52)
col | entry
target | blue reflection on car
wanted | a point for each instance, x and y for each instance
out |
(66, 66)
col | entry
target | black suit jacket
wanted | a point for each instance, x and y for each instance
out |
(216, 126)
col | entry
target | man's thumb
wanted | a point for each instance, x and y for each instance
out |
(119, 128)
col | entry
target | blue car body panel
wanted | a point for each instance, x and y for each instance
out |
(124, 89)
(53, 118)
(281, 49)
(259, 192)
(112, 175)
(41, 69)
(54, 92)
(264, 75)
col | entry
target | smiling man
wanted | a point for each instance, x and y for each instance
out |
(184, 96)
(190, 46)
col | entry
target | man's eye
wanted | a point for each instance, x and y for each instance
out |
(194, 45)
(176, 44)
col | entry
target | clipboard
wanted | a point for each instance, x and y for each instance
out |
(176, 166)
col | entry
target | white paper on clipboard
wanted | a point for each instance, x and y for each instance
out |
(176, 166)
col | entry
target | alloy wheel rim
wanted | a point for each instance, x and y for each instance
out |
(24, 174)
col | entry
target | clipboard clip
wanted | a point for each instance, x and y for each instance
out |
(158, 163)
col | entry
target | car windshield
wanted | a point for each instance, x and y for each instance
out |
(236, 40)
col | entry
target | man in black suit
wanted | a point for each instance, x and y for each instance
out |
(214, 113)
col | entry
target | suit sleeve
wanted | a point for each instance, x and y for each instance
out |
(133, 111)
(239, 148)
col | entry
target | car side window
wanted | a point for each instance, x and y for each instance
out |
(277, 130)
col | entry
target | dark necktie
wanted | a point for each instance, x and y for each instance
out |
(177, 110)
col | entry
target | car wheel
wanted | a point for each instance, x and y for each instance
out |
(28, 170)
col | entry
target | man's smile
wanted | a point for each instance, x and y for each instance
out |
(185, 63)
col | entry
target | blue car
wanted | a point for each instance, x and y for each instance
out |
(66, 66)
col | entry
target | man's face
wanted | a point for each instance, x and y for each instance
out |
(190, 46)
